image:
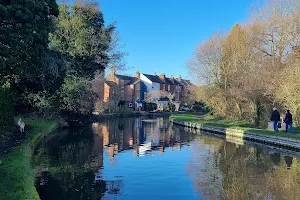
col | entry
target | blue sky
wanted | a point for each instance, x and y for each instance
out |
(161, 35)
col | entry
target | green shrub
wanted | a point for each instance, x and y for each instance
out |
(76, 96)
(42, 103)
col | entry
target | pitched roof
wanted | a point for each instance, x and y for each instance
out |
(169, 81)
(185, 82)
(131, 79)
(123, 77)
(172, 81)
(154, 78)
(110, 83)
(134, 82)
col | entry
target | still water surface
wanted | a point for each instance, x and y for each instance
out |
(130, 158)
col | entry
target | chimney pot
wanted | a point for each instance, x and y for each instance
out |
(179, 78)
(137, 74)
(162, 76)
(113, 71)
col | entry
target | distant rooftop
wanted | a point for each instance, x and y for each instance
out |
(170, 81)
(128, 78)
(155, 78)
(110, 83)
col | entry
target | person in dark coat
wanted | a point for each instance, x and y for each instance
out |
(289, 121)
(275, 118)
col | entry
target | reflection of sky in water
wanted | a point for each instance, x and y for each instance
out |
(136, 159)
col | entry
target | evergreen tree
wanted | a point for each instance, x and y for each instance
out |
(24, 29)
(81, 36)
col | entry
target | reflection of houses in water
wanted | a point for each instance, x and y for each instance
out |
(140, 135)
(97, 153)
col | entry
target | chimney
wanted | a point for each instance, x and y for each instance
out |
(154, 73)
(137, 74)
(172, 77)
(179, 78)
(112, 71)
(162, 76)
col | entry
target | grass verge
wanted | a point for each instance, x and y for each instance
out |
(17, 176)
(240, 125)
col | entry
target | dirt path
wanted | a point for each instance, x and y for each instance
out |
(11, 140)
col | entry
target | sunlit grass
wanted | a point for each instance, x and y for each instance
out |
(17, 176)
(231, 124)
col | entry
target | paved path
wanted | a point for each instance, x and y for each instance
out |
(265, 139)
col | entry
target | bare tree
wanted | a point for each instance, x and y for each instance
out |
(240, 73)
(206, 62)
(276, 26)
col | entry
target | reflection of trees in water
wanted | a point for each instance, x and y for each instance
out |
(220, 170)
(204, 168)
(70, 147)
(244, 171)
(223, 170)
(63, 185)
(284, 181)
(68, 162)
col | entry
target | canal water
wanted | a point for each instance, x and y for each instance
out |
(134, 158)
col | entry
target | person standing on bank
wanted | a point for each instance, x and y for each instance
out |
(289, 121)
(275, 118)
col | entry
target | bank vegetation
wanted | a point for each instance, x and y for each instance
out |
(245, 73)
(17, 179)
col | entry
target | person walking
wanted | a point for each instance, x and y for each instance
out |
(289, 121)
(275, 118)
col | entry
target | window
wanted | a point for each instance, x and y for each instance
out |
(122, 83)
(137, 96)
(169, 87)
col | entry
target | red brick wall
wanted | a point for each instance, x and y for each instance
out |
(99, 89)
(107, 93)
(173, 87)
(162, 86)
(128, 93)
(137, 92)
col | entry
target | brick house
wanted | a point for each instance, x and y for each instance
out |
(132, 91)
(178, 86)
(123, 88)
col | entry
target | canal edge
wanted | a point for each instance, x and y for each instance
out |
(271, 140)
(34, 143)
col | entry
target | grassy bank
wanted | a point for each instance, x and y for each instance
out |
(17, 176)
(240, 125)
